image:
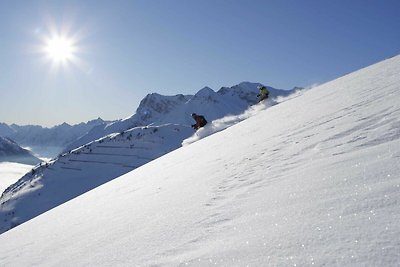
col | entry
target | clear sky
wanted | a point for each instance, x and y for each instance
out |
(113, 53)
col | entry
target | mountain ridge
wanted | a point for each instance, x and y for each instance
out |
(37, 137)
(159, 127)
(153, 105)
(10, 151)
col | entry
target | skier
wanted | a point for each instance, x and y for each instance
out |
(200, 121)
(263, 93)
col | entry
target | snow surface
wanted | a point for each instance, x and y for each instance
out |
(71, 174)
(312, 181)
(82, 169)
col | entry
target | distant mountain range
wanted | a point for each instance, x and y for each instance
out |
(107, 151)
(10, 151)
(59, 136)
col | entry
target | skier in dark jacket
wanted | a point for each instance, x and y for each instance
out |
(200, 121)
(263, 93)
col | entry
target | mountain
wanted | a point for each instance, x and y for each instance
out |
(10, 151)
(311, 181)
(6, 130)
(86, 167)
(158, 109)
(37, 137)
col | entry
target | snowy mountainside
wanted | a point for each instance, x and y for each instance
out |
(37, 137)
(10, 151)
(71, 174)
(157, 109)
(151, 107)
(117, 154)
(313, 181)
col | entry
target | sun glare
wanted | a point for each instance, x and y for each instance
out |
(59, 49)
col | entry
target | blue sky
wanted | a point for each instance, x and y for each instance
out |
(126, 49)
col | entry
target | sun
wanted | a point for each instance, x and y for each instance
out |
(59, 49)
(62, 46)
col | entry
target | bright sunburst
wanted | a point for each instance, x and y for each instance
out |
(61, 46)
(60, 49)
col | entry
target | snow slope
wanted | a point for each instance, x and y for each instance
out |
(71, 174)
(102, 160)
(312, 181)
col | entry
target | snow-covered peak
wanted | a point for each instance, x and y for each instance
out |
(205, 97)
(159, 109)
(64, 124)
(205, 92)
(155, 104)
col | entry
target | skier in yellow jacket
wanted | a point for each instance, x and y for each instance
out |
(263, 93)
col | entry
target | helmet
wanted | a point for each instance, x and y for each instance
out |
(193, 114)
